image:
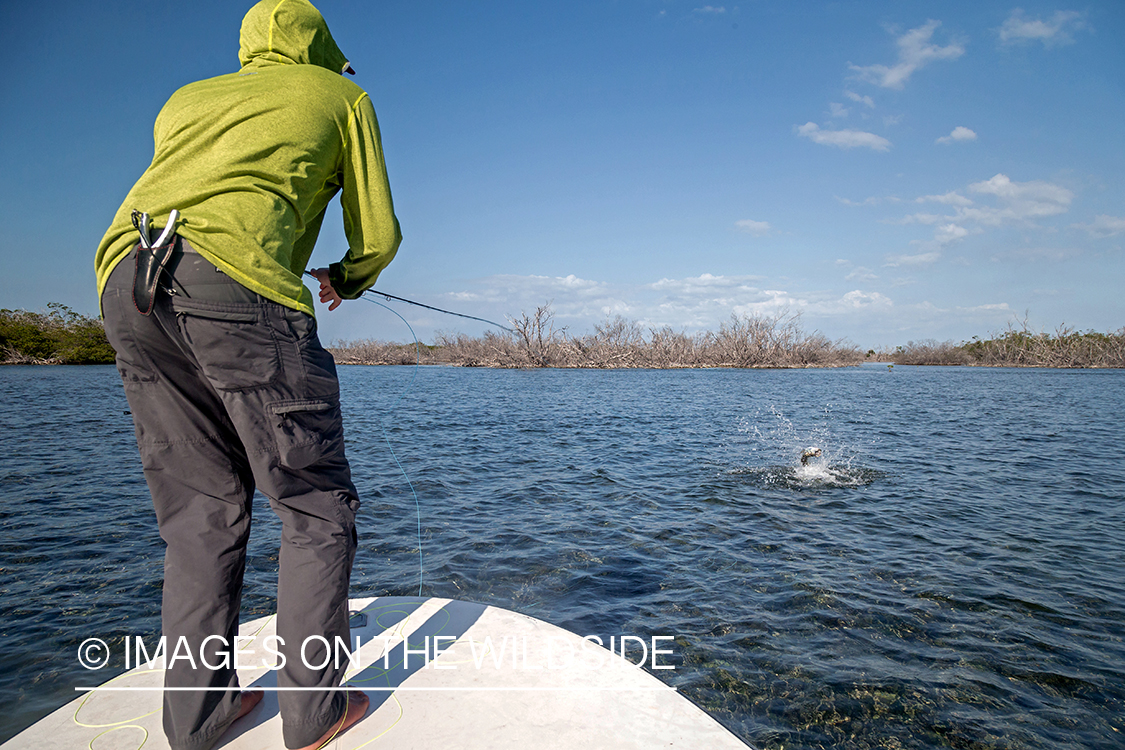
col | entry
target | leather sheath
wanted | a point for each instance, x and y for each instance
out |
(150, 264)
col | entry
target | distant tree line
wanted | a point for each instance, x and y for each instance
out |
(59, 336)
(62, 336)
(776, 341)
(1019, 346)
(534, 341)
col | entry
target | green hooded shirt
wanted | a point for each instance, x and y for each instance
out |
(251, 160)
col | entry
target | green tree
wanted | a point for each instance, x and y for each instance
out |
(60, 336)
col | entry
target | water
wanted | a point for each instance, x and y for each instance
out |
(949, 573)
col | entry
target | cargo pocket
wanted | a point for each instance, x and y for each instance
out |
(235, 348)
(304, 430)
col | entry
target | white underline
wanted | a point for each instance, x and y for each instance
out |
(364, 689)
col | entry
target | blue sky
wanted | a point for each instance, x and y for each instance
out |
(892, 171)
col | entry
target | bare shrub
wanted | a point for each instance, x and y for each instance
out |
(614, 343)
(490, 350)
(747, 341)
(668, 348)
(369, 352)
(743, 341)
(931, 352)
(541, 344)
(777, 341)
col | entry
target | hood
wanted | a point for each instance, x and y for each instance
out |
(288, 31)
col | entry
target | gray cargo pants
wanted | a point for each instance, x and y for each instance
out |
(230, 391)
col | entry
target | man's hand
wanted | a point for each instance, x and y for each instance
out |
(327, 293)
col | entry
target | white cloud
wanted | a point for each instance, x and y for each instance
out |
(943, 235)
(860, 99)
(843, 138)
(915, 51)
(1001, 185)
(926, 219)
(952, 198)
(573, 282)
(771, 302)
(576, 302)
(1035, 254)
(710, 9)
(693, 304)
(923, 316)
(508, 286)
(836, 109)
(1054, 32)
(756, 228)
(777, 302)
(1103, 226)
(1020, 203)
(872, 201)
(569, 283)
(1023, 201)
(994, 307)
(861, 274)
(705, 283)
(959, 134)
(921, 259)
(707, 300)
(947, 233)
(857, 299)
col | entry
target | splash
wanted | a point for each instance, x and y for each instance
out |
(775, 447)
(810, 476)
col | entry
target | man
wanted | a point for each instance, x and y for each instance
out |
(228, 384)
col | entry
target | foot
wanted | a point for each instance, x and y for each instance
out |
(357, 707)
(250, 698)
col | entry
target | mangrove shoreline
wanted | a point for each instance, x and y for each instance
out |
(62, 336)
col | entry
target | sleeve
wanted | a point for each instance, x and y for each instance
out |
(369, 217)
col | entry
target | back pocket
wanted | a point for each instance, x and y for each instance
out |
(236, 348)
